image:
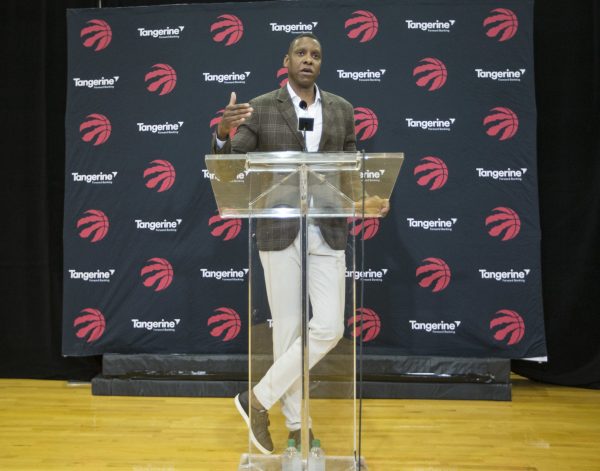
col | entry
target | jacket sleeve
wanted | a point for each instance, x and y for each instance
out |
(245, 140)
(350, 139)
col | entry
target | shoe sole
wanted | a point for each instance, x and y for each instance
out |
(238, 406)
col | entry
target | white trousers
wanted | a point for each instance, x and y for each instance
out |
(326, 289)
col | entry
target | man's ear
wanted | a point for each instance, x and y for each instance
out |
(286, 60)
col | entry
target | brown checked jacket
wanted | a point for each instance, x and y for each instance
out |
(273, 127)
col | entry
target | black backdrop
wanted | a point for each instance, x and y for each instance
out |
(33, 84)
(448, 283)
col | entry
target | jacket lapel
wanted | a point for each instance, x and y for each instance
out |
(326, 110)
(286, 107)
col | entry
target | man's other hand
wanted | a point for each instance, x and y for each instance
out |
(234, 115)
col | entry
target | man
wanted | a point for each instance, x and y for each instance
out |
(269, 123)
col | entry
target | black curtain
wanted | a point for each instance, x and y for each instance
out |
(567, 68)
(33, 84)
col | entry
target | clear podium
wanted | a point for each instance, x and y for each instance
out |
(304, 344)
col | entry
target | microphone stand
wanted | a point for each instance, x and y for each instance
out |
(305, 124)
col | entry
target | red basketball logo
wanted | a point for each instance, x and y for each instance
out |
(96, 128)
(94, 224)
(434, 173)
(162, 175)
(229, 323)
(228, 27)
(502, 22)
(432, 73)
(226, 228)
(91, 325)
(512, 325)
(434, 272)
(217, 119)
(505, 222)
(157, 274)
(363, 26)
(98, 35)
(162, 78)
(366, 323)
(282, 76)
(365, 122)
(365, 228)
(503, 120)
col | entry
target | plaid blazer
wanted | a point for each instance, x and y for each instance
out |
(273, 127)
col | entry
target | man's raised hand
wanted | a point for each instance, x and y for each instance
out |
(234, 115)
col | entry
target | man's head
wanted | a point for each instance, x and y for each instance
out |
(303, 60)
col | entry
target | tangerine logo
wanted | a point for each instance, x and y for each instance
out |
(434, 173)
(226, 228)
(96, 128)
(163, 77)
(214, 123)
(434, 273)
(512, 326)
(365, 228)
(157, 274)
(365, 323)
(433, 72)
(91, 324)
(364, 26)
(502, 22)
(229, 323)
(504, 122)
(503, 175)
(229, 28)
(505, 222)
(162, 175)
(94, 225)
(98, 34)
(366, 122)
(282, 76)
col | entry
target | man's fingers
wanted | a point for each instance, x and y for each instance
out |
(232, 98)
(238, 111)
(240, 107)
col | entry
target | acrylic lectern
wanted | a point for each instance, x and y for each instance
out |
(288, 197)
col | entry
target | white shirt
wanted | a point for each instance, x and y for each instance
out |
(315, 111)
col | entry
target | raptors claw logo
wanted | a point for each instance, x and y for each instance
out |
(157, 274)
(96, 324)
(98, 127)
(162, 77)
(229, 28)
(98, 34)
(231, 323)
(364, 26)
(433, 172)
(366, 323)
(230, 228)
(512, 325)
(94, 224)
(162, 173)
(435, 273)
(432, 72)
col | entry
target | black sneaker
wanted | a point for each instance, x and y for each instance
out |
(259, 431)
(297, 436)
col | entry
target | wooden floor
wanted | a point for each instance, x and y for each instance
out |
(50, 425)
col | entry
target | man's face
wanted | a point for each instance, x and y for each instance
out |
(303, 62)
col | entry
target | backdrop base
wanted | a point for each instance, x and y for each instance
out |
(384, 377)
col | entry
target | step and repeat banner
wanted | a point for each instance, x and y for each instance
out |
(149, 266)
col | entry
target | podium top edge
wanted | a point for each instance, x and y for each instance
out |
(308, 156)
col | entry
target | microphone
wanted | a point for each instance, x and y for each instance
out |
(305, 124)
